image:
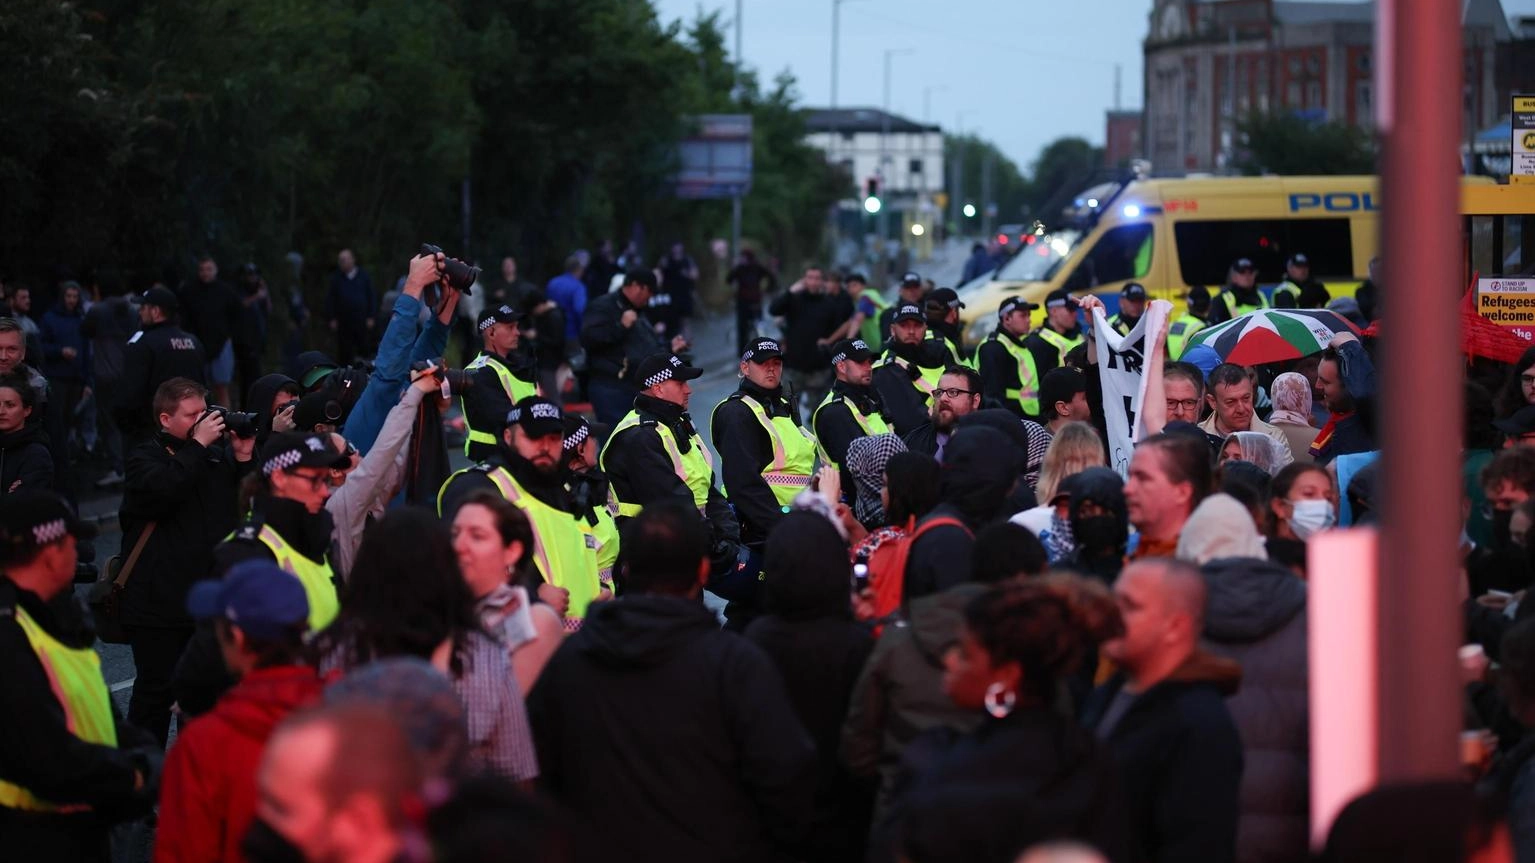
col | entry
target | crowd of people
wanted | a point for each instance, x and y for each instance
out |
(951, 630)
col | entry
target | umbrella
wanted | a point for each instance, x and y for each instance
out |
(1273, 335)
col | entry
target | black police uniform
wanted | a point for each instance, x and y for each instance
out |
(640, 469)
(745, 450)
(999, 371)
(835, 427)
(153, 356)
(486, 403)
(906, 406)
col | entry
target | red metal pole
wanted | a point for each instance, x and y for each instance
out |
(1420, 707)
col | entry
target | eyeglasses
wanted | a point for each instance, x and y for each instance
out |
(316, 481)
(1527, 380)
(951, 392)
(1185, 404)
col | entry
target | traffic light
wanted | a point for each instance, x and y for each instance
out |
(871, 201)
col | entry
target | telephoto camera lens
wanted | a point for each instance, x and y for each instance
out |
(460, 275)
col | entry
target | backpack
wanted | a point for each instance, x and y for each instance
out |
(887, 565)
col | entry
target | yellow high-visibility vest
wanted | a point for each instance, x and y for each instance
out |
(695, 468)
(1026, 394)
(1179, 332)
(872, 424)
(74, 675)
(1062, 345)
(516, 389)
(793, 462)
(316, 577)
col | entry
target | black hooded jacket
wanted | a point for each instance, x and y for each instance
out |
(24, 460)
(676, 737)
(258, 400)
(1100, 540)
(1256, 614)
(979, 469)
(810, 635)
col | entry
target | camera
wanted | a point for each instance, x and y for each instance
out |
(457, 380)
(460, 275)
(239, 423)
(332, 401)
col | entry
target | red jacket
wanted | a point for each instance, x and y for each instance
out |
(208, 788)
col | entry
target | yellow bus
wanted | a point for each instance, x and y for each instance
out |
(1172, 234)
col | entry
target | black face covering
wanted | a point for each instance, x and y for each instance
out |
(1098, 534)
(262, 844)
(1502, 537)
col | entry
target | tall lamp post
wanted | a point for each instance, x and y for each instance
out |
(884, 146)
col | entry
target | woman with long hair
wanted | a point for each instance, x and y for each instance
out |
(406, 597)
(1028, 772)
(1075, 448)
(24, 458)
(1302, 502)
(492, 539)
(1519, 389)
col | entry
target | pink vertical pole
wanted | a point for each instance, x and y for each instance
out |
(1420, 625)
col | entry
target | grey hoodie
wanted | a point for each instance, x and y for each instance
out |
(1256, 614)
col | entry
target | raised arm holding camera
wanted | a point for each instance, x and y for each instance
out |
(179, 500)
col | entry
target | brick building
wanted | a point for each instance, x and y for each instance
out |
(1209, 62)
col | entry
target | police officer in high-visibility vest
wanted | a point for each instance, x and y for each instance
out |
(1132, 304)
(1184, 328)
(912, 290)
(766, 455)
(69, 766)
(868, 307)
(1009, 374)
(589, 494)
(1299, 290)
(288, 522)
(1059, 336)
(502, 378)
(852, 409)
(908, 372)
(942, 309)
(1241, 295)
(526, 470)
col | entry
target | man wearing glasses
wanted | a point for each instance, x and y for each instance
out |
(1241, 294)
(958, 394)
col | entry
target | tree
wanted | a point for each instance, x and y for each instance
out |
(1009, 188)
(1064, 167)
(1287, 144)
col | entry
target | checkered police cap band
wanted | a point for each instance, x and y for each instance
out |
(487, 324)
(49, 531)
(658, 377)
(281, 461)
(576, 438)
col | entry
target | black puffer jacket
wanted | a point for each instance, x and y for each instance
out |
(1100, 540)
(980, 467)
(24, 460)
(1256, 614)
(810, 634)
(613, 351)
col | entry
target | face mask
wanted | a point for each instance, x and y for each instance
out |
(1311, 516)
(262, 844)
(1098, 533)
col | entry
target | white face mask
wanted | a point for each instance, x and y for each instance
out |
(1308, 517)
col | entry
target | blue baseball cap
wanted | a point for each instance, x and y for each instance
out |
(256, 595)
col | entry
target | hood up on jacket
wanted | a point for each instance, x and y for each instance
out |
(1249, 599)
(258, 399)
(1219, 527)
(980, 466)
(808, 573)
(643, 630)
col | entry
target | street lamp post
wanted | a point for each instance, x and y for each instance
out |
(884, 143)
(957, 188)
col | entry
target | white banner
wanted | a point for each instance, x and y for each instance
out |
(1121, 368)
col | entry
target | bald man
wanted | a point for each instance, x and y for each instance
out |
(1164, 718)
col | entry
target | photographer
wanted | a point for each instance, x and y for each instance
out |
(502, 377)
(401, 346)
(178, 501)
(618, 337)
(527, 471)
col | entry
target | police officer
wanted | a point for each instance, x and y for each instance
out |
(942, 307)
(1132, 304)
(868, 309)
(159, 351)
(766, 456)
(1009, 373)
(1299, 290)
(911, 292)
(1184, 328)
(852, 409)
(502, 377)
(1059, 336)
(69, 766)
(907, 374)
(588, 487)
(655, 454)
(526, 471)
(1241, 294)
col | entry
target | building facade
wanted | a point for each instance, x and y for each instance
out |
(1210, 62)
(906, 156)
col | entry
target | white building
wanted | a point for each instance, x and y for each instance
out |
(863, 139)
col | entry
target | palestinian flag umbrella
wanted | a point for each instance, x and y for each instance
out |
(1273, 335)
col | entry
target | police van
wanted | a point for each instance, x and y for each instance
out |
(1171, 234)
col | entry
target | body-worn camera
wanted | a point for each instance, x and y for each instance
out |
(453, 380)
(239, 423)
(460, 275)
